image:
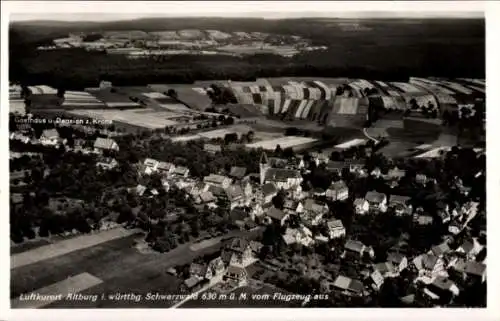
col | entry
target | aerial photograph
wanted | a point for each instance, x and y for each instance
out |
(262, 161)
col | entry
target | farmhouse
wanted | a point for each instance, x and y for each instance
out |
(107, 163)
(50, 137)
(348, 286)
(211, 148)
(361, 206)
(301, 235)
(105, 144)
(400, 205)
(377, 201)
(237, 172)
(217, 180)
(335, 229)
(338, 191)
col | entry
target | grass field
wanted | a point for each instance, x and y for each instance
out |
(74, 284)
(133, 117)
(284, 142)
(28, 245)
(67, 246)
(120, 266)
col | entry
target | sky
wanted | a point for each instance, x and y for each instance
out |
(116, 10)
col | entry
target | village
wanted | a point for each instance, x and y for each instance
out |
(360, 228)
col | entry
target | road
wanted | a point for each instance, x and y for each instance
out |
(369, 137)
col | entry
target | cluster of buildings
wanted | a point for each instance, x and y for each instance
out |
(190, 41)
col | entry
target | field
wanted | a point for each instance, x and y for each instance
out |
(284, 142)
(351, 143)
(74, 284)
(186, 94)
(239, 129)
(136, 118)
(67, 246)
(121, 267)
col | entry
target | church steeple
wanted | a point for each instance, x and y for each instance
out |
(263, 158)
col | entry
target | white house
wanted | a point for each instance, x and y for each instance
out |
(361, 206)
(151, 166)
(337, 191)
(218, 180)
(335, 229)
(102, 144)
(301, 235)
(377, 201)
(50, 137)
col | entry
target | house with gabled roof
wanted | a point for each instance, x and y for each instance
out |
(313, 213)
(301, 235)
(151, 166)
(320, 158)
(218, 180)
(50, 137)
(443, 288)
(428, 265)
(240, 252)
(421, 179)
(207, 198)
(395, 174)
(237, 172)
(283, 178)
(386, 269)
(356, 249)
(398, 260)
(107, 163)
(440, 250)
(348, 286)
(239, 274)
(277, 215)
(472, 270)
(361, 206)
(377, 201)
(181, 171)
(165, 168)
(470, 249)
(105, 144)
(293, 207)
(212, 148)
(338, 191)
(269, 190)
(198, 270)
(335, 229)
(355, 165)
(215, 269)
(235, 196)
(400, 205)
(335, 167)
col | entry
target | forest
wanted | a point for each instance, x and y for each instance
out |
(386, 50)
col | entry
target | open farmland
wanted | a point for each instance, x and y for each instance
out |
(120, 266)
(351, 143)
(67, 246)
(74, 284)
(133, 117)
(283, 142)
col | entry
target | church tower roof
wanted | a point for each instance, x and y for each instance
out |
(263, 158)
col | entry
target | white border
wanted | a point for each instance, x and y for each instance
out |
(263, 9)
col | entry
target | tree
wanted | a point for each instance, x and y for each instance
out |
(172, 93)
(250, 136)
(278, 150)
(279, 200)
